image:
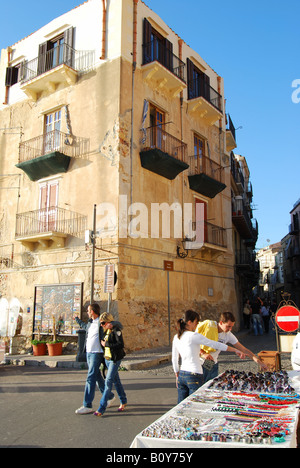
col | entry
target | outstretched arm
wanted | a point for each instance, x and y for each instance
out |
(249, 353)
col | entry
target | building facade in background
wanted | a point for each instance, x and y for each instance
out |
(107, 107)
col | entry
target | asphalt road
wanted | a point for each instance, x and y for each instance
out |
(37, 408)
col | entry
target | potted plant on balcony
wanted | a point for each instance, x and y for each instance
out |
(55, 345)
(39, 346)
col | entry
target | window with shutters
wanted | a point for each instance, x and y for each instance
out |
(52, 135)
(157, 48)
(57, 51)
(14, 74)
(48, 208)
(199, 86)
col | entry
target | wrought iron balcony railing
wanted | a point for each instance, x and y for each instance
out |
(203, 165)
(50, 220)
(72, 146)
(156, 51)
(213, 234)
(79, 60)
(199, 88)
(157, 138)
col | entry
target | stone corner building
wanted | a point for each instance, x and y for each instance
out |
(107, 106)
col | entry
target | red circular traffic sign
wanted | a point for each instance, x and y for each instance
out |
(287, 318)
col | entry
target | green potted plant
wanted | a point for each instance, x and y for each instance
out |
(39, 346)
(55, 345)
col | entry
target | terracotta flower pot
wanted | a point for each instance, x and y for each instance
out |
(54, 349)
(39, 349)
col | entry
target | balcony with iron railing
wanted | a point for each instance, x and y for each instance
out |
(50, 154)
(241, 218)
(57, 66)
(204, 100)
(49, 226)
(209, 238)
(230, 135)
(206, 176)
(162, 153)
(161, 68)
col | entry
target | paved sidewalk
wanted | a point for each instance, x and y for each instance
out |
(161, 357)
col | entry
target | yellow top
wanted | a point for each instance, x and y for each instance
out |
(107, 353)
(209, 329)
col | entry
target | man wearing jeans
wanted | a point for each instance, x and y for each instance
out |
(94, 355)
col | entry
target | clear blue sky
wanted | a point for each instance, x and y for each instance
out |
(254, 46)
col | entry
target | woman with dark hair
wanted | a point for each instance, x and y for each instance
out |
(186, 344)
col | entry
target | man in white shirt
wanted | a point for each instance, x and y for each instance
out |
(209, 357)
(94, 356)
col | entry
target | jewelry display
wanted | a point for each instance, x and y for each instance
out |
(224, 413)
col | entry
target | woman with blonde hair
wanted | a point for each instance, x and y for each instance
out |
(186, 344)
(113, 346)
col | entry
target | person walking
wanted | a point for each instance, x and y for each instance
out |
(94, 356)
(247, 313)
(186, 345)
(265, 314)
(113, 346)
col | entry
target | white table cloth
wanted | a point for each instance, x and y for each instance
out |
(188, 409)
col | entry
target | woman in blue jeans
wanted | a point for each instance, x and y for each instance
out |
(186, 344)
(113, 346)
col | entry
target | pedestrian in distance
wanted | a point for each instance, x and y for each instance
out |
(256, 320)
(95, 357)
(114, 352)
(186, 345)
(247, 314)
(220, 331)
(265, 314)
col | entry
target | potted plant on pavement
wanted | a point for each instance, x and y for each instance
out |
(38, 346)
(55, 345)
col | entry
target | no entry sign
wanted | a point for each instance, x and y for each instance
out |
(287, 318)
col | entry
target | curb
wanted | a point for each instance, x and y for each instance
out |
(134, 364)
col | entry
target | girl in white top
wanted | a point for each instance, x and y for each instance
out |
(186, 344)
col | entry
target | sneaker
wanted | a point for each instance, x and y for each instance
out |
(110, 402)
(97, 414)
(84, 410)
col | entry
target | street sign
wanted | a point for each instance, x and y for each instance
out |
(168, 266)
(109, 281)
(287, 318)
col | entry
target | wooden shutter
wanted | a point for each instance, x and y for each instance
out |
(69, 53)
(206, 87)
(190, 77)
(43, 48)
(168, 62)
(11, 77)
(147, 56)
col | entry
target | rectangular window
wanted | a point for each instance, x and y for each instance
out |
(156, 47)
(199, 154)
(52, 132)
(48, 206)
(157, 121)
(57, 51)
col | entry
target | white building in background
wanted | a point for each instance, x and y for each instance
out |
(271, 278)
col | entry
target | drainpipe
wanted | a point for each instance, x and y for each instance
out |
(103, 31)
(9, 52)
(180, 42)
(135, 3)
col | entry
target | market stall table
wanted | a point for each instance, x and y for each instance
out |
(221, 414)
